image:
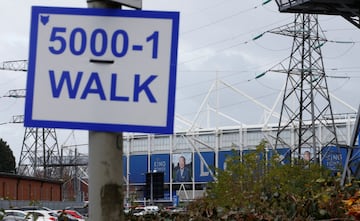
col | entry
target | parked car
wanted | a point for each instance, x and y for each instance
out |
(25, 208)
(151, 209)
(66, 217)
(73, 213)
(82, 210)
(138, 211)
(18, 214)
(13, 218)
(44, 215)
(69, 215)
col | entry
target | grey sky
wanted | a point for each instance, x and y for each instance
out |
(215, 42)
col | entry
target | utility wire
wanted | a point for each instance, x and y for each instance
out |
(225, 18)
(252, 40)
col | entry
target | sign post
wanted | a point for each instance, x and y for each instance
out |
(106, 194)
(105, 165)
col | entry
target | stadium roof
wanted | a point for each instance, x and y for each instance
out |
(349, 9)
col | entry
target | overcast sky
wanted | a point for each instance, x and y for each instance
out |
(216, 41)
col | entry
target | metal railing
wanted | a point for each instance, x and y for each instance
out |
(289, 3)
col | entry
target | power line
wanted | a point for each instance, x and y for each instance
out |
(253, 40)
(225, 18)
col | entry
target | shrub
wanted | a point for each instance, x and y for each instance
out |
(253, 188)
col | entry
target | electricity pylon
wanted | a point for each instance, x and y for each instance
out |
(306, 108)
(40, 150)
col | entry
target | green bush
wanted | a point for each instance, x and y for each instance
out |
(253, 188)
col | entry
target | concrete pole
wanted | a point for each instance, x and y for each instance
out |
(105, 177)
(106, 197)
(106, 193)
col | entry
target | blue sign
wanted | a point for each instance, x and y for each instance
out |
(284, 155)
(202, 172)
(161, 163)
(354, 160)
(223, 155)
(102, 69)
(333, 157)
(138, 168)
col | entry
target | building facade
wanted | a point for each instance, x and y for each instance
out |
(202, 150)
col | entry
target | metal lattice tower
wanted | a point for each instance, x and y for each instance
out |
(40, 148)
(38, 152)
(306, 106)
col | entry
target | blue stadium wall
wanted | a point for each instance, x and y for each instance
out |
(140, 165)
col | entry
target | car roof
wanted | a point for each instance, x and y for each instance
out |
(34, 208)
(46, 212)
(17, 210)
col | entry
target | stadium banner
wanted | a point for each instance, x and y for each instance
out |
(333, 158)
(138, 168)
(182, 167)
(284, 155)
(202, 173)
(161, 163)
(223, 155)
(245, 152)
(355, 159)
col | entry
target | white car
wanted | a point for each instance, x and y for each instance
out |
(43, 215)
(138, 211)
(151, 209)
(17, 213)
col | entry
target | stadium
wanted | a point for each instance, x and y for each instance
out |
(206, 149)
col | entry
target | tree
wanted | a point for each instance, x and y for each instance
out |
(7, 159)
(254, 187)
